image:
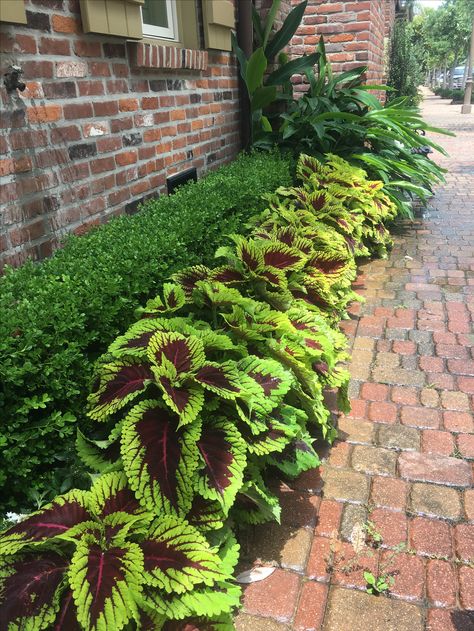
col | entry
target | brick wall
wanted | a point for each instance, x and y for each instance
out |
(100, 125)
(353, 32)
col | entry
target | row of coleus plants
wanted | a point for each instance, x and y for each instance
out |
(219, 381)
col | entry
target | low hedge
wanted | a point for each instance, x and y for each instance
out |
(60, 315)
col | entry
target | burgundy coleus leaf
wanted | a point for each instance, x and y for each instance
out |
(313, 344)
(318, 201)
(105, 582)
(66, 619)
(30, 590)
(273, 276)
(177, 557)
(189, 277)
(120, 382)
(186, 400)
(327, 266)
(321, 368)
(281, 257)
(111, 494)
(222, 379)
(223, 450)
(159, 457)
(184, 353)
(57, 518)
(248, 255)
(206, 514)
(226, 275)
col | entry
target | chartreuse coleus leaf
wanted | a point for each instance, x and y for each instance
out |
(255, 504)
(159, 457)
(269, 378)
(98, 455)
(173, 299)
(297, 457)
(282, 425)
(223, 453)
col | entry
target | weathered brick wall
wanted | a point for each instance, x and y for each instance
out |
(95, 132)
(353, 32)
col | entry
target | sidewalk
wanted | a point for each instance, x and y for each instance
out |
(403, 467)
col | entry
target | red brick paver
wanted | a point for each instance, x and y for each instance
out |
(394, 495)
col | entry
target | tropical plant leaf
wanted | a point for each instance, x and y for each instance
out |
(119, 383)
(61, 516)
(222, 379)
(223, 452)
(177, 557)
(159, 458)
(106, 583)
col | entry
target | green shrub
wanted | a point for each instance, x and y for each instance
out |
(60, 315)
(221, 379)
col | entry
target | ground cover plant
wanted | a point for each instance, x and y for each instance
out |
(60, 315)
(218, 383)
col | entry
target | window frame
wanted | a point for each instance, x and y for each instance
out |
(169, 33)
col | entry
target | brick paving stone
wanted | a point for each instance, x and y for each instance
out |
(244, 622)
(454, 400)
(344, 484)
(408, 572)
(421, 417)
(275, 597)
(434, 441)
(349, 566)
(466, 445)
(389, 493)
(430, 537)
(298, 509)
(311, 607)
(349, 610)
(340, 454)
(329, 517)
(392, 526)
(374, 460)
(464, 540)
(429, 397)
(450, 620)
(441, 583)
(374, 392)
(438, 501)
(355, 431)
(466, 587)
(434, 468)
(282, 545)
(469, 504)
(382, 412)
(352, 515)
(458, 421)
(319, 559)
(405, 395)
(398, 437)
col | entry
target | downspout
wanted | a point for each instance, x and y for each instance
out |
(245, 41)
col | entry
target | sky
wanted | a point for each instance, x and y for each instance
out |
(432, 4)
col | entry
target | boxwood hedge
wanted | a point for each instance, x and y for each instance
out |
(60, 315)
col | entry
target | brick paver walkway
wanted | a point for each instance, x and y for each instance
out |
(406, 451)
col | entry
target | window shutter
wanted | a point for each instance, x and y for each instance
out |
(219, 20)
(113, 17)
(13, 11)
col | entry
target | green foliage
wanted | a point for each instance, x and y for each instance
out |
(222, 379)
(338, 115)
(457, 96)
(266, 90)
(404, 74)
(60, 315)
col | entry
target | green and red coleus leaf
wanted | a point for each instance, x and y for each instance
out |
(119, 383)
(222, 379)
(297, 457)
(270, 379)
(183, 396)
(30, 590)
(111, 494)
(63, 515)
(106, 583)
(223, 452)
(176, 557)
(184, 353)
(189, 277)
(159, 457)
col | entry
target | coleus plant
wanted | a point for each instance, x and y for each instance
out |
(221, 379)
(96, 560)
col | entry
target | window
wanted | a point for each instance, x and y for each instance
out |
(159, 19)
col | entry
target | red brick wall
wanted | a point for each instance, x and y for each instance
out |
(94, 133)
(353, 32)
